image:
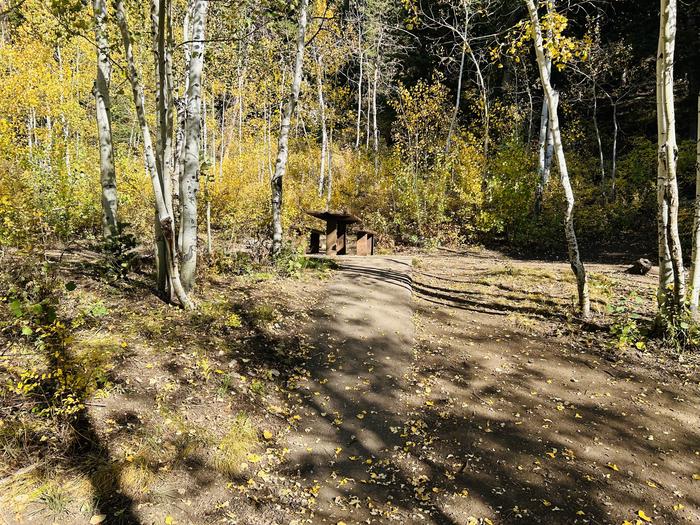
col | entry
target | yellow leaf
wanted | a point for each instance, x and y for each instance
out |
(169, 520)
(360, 416)
(97, 519)
(613, 467)
(546, 503)
(696, 477)
(642, 515)
(678, 506)
(267, 434)
(652, 484)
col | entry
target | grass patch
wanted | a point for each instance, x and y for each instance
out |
(234, 447)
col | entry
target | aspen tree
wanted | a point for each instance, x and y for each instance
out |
(552, 101)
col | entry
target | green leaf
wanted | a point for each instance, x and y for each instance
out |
(70, 286)
(16, 308)
(27, 331)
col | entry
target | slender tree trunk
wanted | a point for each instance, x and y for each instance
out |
(671, 293)
(458, 99)
(545, 149)
(283, 142)
(108, 178)
(322, 117)
(162, 50)
(189, 183)
(222, 146)
(695, 274)
(613, 168)
(329, 177)
(164, 215)
(601, 156)
(552, 102)
(359, 94)
(369, 111)
(375, 127)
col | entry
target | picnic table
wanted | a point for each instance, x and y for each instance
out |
(336, 231)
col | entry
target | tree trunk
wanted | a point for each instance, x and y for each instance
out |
(613, 168)
(164, 215)
(375, 127)
(108, 178)
(359, 94)
(552, 102)
(545, 149)
(671, 292)
(601, 156)
(283, 142)
(189, 182)
(453, 121)
(322, 118)
(329, 177)
(695, 274)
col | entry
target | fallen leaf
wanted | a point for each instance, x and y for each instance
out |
(613, 467)
(642, 515)
(97, 518)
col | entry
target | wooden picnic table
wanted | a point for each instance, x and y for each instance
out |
(336, 231)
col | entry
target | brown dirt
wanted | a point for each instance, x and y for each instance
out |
(447, 389)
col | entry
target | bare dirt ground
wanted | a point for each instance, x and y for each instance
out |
(541, 419)
(447, 388)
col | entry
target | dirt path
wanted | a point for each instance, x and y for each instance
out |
(459, 392)
(353, 403)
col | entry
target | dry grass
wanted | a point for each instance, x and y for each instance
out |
(234, 448)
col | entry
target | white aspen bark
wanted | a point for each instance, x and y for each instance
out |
(283, 142)
(64, 122)
(164, 215)
(671, 292)
(601, 156)
(359, 93)
(484, 103)
(552, 102)
(322, 117)
(458, 99)
(329, 177)
(544, 149)
(240, 116)
(369, 111)
(30, 136)
(222, 145)
(613, 167)
(162, 50)
(375, 127)
(189, 183)
(695, 274)
(108, 178)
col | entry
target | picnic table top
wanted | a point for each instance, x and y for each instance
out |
(343, 216)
